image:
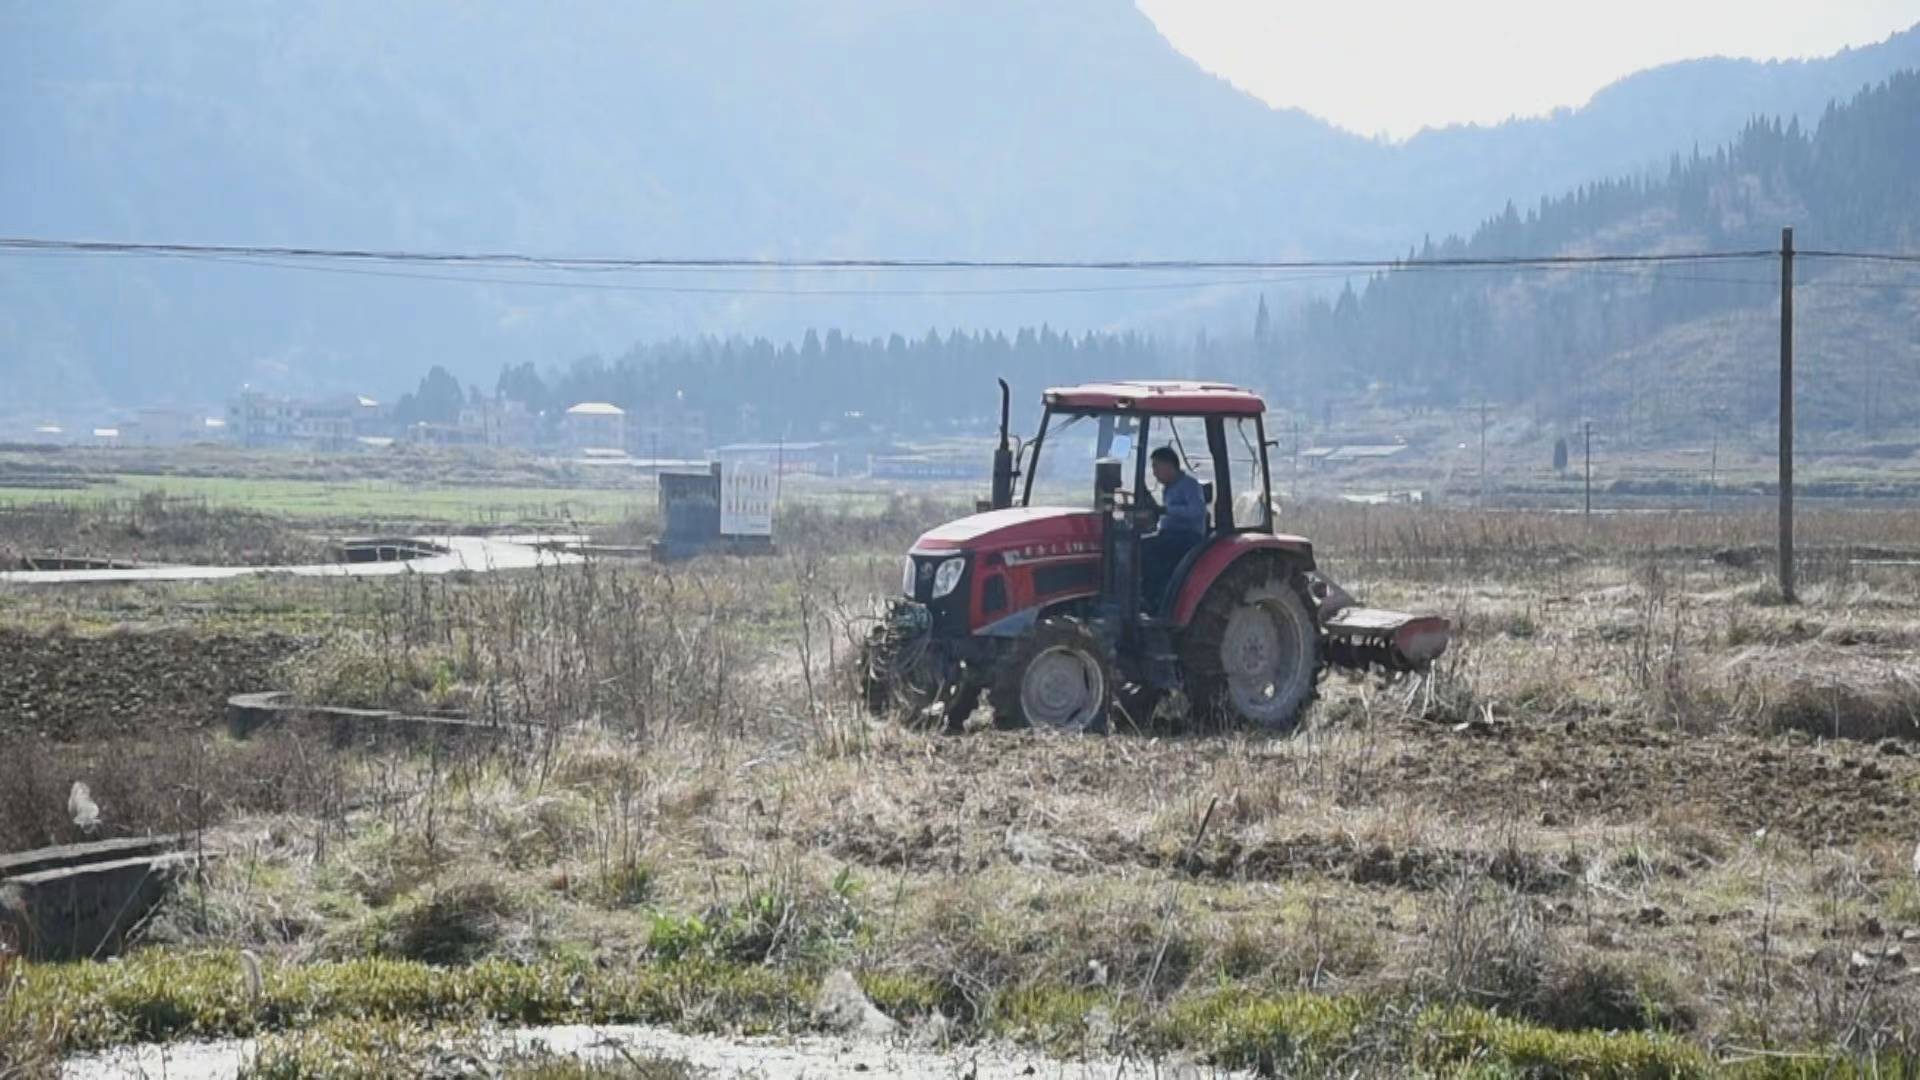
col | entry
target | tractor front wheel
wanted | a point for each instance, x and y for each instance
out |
(1056, 676)
(1251, 655)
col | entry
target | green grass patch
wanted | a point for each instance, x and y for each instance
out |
(369, 500)
(1451, 1039)
(351, 1049)
(156, 995)
(359, 1017)
(1249, 1030)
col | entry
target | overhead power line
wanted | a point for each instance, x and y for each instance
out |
(1863, 256)
(751, 290)
(592, 263)
(1275, 272)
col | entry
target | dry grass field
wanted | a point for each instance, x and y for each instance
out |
(1643, 820)
(151, 528)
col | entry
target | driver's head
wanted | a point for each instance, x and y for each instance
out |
(1166, 465)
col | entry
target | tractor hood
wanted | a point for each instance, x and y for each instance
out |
(1021, 527)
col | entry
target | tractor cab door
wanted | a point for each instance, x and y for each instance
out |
(1227, 454)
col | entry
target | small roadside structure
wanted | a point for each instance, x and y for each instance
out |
(724, 509)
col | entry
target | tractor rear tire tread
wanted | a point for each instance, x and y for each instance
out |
(1209, 701)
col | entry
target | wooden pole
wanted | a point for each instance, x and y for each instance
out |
(1483, 452)
(1713, 469)
(1787, 591)
(1589, 483)
(1294, 479)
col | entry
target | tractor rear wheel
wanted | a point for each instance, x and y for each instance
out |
(1056, 676)
(1251, 655)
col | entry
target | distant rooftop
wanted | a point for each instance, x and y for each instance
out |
(596, 408)
(773, 448)
(1350, 453)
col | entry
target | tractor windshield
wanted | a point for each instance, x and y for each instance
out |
(1060, 470)
(1066, 449)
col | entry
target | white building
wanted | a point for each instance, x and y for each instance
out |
(258, 419)
(596, 425)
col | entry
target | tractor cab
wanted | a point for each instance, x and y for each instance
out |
(1059, 598)
(1111, 432)
(1216, 430)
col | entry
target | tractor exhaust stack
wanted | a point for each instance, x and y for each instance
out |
(1003, 473)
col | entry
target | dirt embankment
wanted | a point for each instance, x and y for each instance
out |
(69, 687)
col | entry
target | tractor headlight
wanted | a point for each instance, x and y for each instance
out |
(906, 577)
(948, 576)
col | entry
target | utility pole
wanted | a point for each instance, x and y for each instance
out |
(1293, 420)
(1483, 452)
(1787, 592)
(1717, 416)
(1713, 469)
(1588, 425)
(1484, 408)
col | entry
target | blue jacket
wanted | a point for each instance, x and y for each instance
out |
(1186, 507)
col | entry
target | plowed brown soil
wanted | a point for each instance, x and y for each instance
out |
(69, 687)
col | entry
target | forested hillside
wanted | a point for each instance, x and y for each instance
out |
(1582, 340)
(832, 383)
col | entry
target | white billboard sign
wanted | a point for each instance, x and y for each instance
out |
(746, 499)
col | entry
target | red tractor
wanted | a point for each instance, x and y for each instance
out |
(1042, 607)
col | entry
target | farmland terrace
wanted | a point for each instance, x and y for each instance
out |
(1643, 819)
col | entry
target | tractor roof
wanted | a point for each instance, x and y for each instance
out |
(1159, 396)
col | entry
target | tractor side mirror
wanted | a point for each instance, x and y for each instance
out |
(1106, 481)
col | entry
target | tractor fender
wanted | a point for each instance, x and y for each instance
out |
(1204, 565)
(1012, 626)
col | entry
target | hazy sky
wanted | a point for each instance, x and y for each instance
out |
(1395, 66)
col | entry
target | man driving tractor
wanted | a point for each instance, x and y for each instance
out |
(1183, 522)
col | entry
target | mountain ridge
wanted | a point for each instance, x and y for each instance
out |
(993, 129)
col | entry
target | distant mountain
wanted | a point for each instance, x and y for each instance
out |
(1640, 120)
(1653, 349)
(989, 128)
